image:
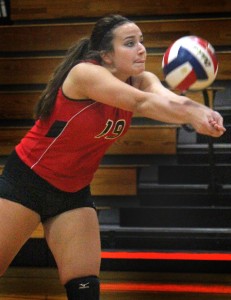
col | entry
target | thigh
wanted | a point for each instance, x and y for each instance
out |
(16, 225)
(74, 240)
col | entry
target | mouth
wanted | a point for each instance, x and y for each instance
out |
(140, 61)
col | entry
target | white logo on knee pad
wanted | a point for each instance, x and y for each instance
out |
(84, 286)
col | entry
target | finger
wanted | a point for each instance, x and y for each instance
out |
(218, 118)
(220, 128)
(217, 125)
(218, 131)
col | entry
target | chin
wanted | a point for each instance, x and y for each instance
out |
(138, 72)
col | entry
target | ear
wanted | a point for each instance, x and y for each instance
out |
(107, 57)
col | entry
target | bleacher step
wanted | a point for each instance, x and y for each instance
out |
(186, 174)
(183, 217)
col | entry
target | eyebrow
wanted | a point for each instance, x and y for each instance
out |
(132, 36)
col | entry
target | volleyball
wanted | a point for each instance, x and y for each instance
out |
(190, 63)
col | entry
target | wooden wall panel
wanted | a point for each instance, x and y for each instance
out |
(157, 33)
(37, 70)
(146, 140)
(42, 9)
(18, 105)
(115, 181)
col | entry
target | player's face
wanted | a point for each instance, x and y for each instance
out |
(129, 54)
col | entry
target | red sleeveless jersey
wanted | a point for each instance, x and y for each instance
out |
(66, 148)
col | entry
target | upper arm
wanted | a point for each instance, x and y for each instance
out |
(97, 83)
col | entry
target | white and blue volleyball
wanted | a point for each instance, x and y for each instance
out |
(190, 63)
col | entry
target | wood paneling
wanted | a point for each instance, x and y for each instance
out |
(9, 137)
(114, 181)
(27, 70)
(41, 9)
(37, 70)
(18, 105)
(146, 140)
(157, 33)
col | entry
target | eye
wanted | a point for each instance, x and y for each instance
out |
(130, 44)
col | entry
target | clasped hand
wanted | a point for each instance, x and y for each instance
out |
(209, 122)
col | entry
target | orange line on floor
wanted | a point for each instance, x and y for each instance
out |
(177, 288)
(167, 255)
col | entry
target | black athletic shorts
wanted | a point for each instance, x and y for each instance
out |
(20, 184)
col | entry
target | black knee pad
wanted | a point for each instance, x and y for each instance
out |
(85, 288)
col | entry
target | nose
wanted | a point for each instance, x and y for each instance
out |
(141, 48)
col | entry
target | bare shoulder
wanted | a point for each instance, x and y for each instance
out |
(81, 77)
(84, 69)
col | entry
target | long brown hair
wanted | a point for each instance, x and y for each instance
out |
(87, 48)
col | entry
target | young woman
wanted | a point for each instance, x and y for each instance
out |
(85, 107)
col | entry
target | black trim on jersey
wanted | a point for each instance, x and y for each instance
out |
(56, 129)
(75, 100)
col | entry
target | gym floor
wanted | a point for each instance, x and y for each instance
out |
(43, 284)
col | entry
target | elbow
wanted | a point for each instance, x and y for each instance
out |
(142, 104)
(140, 108)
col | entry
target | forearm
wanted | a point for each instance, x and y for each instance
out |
(182, 110)
(177, 110)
